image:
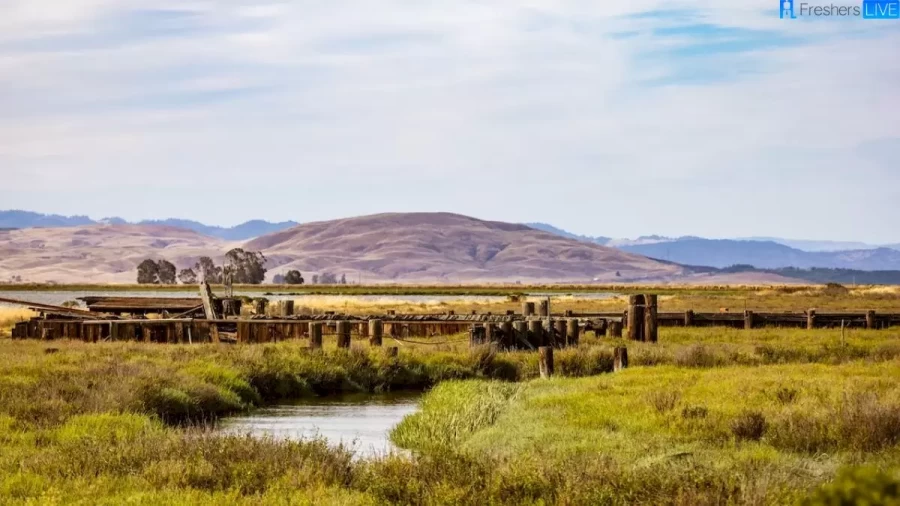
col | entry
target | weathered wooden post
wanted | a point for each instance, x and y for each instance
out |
(544, 308)
(476, 334)
(555, 330)
(689, 318)
(620, 358)
(636, 318)
(490, 332)
(342, 329)
(651, 328)
(287, 308)
(520, 327)
(535, 333)
(572, 332)
(870, 319)
(508, 340)
(315, 335)
(810, 319)
(527, 308)
(376, 330)
(113, 331)
(546, 361)
(614, 329)
(748, 319)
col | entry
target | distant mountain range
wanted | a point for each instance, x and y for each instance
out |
(771, 255)
(395, 247)
(765, 255)
(244, 231)
(762, 253)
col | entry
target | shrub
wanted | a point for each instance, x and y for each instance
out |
(786, 395)
(749, 425)
(664, 401)
(852, 486)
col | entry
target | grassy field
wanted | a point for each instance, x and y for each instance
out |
(658, 435)
(706, 416)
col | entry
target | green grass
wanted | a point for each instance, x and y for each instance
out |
(714, 416)
(673, 435)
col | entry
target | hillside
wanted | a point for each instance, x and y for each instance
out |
(426, 247)
(97, 253)
(444, 247)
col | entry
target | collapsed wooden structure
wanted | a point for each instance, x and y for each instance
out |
(208, 319)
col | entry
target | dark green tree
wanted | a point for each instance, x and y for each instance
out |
(166, 272)
(187, 276)
(293, 277)
(208, 270)
(245, 266)
(148, 272)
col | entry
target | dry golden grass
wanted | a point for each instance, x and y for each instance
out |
(11, 316)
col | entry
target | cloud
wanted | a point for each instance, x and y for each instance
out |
(313, 110)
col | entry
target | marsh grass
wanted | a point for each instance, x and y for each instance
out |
(115, 423)
(669, 435)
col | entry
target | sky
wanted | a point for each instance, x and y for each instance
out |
(621, 119)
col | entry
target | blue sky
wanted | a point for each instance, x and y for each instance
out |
(620, 119)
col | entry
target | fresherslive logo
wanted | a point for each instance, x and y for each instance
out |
(870, 9)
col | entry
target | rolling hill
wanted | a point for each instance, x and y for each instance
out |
(411, 247)
(449, 248)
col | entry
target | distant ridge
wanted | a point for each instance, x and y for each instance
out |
(394, 247)
(247, 230)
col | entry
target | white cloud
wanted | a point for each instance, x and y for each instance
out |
(311, 110)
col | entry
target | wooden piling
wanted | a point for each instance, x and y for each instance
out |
(376, 330)
(315, 335)
(546, 361)
(287, 308)
(651, 327)
(870, 319)
(614, 329)
(342, 328)
(689, 318)
(748, 319)
(572, 332)
(620, 358)
(490, 332)
(507, 339)
(527, 308)
(636, 318)
(810, 319)
(535, 333)
(520, 337)
(556, 336)
(544, 308)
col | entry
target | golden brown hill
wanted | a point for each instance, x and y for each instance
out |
(447, 248)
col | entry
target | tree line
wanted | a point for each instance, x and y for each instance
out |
(242, 267)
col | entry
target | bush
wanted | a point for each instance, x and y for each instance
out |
(858, 486)
(749, 426)
(663, 401)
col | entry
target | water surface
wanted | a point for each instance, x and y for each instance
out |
(359, 422)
